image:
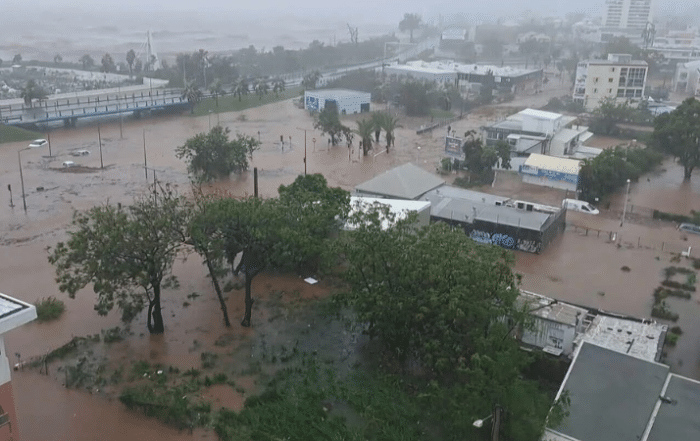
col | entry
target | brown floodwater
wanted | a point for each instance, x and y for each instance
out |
(574, 267)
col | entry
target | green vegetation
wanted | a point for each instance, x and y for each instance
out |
(146, 236)
(16, 134)
(49, 308)
(661, 310)
(610, 170)
(231, 103)
(678, 133)
(212, 155)
(609, 114)
(672, 339)
(112, 335)
(441, 114)
(676, 330)
(328, 121)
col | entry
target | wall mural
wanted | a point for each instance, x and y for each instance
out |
(505, 241)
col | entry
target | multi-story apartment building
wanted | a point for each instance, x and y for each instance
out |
(619, 77)
(628, 13)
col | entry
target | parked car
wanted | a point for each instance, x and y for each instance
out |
(68, 164)
(38, 143)
(576, 205)
(80, 152)
(689, 228)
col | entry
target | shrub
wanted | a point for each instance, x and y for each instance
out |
(678, 285)
(671, 339)
(49, 308)
(112, 334)
(676, 330)
(208, 360)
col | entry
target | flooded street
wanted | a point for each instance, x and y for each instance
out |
(575, 267)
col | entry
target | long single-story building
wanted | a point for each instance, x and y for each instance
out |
(348, 101)
(497, 220)
(550, 171)
(399, 208)
(406, 181)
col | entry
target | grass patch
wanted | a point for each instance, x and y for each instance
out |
(49, 308)
(441, 114)
(230, 103)
(16, 134)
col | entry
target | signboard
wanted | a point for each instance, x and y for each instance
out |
(453, 147)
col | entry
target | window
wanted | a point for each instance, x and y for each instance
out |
(612, 69)
(595, 80)
(609, 90)
(620, 93)
(595, 90)
(610, 80)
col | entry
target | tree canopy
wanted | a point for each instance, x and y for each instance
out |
(108, 63)
(448, 305)
(130, 58)
(87, 61)
(678, 133)
(125, 253)
(410, 22)
(32, 91)
(328, 121)
(212, 155)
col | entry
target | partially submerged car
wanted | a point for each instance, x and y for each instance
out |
(38, 143)
(689, 228)
(80, 152)
(68, 164)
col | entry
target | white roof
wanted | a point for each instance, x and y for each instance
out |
(337, 93)
(14, 313)
(639, 339)
(541, 114)
(399, 208)
(553, 163)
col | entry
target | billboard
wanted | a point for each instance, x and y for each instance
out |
(453, 147)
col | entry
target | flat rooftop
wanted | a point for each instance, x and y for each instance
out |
(336, 93)
(612, 395)
(398, 207)
(14, 313)
(678, 420)
(639, 339)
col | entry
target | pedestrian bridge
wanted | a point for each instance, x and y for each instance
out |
(69, 110)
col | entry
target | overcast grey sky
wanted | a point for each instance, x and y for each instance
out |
(40, 27)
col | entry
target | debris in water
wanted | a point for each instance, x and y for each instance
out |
(311, 281)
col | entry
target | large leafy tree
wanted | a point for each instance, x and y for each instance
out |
(125, 253)
(678, 133)
(87, 61)
(108, 63)
(213, 155)
(440, 301)
(32, 91)
(414, 98)
(328, 121)
(17, 59)
(410, 23)
(310, 79)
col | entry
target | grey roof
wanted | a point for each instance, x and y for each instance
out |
(612, 395)
(679, 420)
(406, 181)
(619, 63)
(467, 206)
(336, 93)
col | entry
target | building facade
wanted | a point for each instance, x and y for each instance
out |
(687, 78)
(618, 78)
(347, 101)
(633, 14)
(550, 171)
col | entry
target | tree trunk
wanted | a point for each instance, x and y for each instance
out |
(687, 171)
(158, 327)
(376, 135)
(217, 288)
(149, 323)
(248, 299)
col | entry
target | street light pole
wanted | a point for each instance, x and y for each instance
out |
(290, 141)
(624, 210)
(145, 163)
(99, 140)
(21, 178)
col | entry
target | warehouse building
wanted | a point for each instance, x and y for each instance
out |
(550, 171)
(347, 101)
(408, 182)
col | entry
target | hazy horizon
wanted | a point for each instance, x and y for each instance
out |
(73, 28)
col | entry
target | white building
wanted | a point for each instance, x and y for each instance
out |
(438, 71)
(550, 171)
(687, 78)
(619, 78)
(633, 14)
(399, 208)
(348, 101)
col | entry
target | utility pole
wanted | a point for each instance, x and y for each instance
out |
(145, 163)
(99, 140)
(290, 138)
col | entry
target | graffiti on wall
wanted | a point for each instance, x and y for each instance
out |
(505, 241)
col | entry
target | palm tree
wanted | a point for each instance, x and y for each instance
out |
(261, 87)
(365, 127)
(192, 93)
(310, 79)
(377, 119)
(241, 88)
(389, 124)
(278, 86)
(216, 89)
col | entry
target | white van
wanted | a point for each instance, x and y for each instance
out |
(576, 205)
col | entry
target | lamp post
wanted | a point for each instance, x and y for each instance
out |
(624, 210)
(290, 142)
(21, 176)
(145, 163)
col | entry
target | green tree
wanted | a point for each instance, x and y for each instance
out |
(130, 58)
(414, 98)
(216, 89)
(192, 94)
(389, 124)
(261, 87)
(126, 254)
(32, 91)
(678, 133)
(212, 155)
(278, 86)
(365, 127)
(108, 63)
(377, 119)
(87, 61)
(608, 115)
(57, 59)
(328, 121)
(438, 299)
(309, 81)
(241, 88)
(410, 23)
(503, 151)
(17, 59)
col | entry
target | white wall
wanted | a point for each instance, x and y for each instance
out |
(548, 333)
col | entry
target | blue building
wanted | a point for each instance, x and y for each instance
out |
(550, 171)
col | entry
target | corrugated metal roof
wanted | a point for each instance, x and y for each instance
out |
(544, 162)
(406, 181)
(337, 93)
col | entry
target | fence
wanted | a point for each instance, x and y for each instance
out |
(631, 241)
